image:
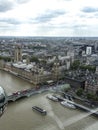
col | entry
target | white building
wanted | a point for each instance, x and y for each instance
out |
(88, 50)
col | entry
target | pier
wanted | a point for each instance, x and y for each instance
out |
(89, 110)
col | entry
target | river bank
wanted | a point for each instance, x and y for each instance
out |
(19, 114)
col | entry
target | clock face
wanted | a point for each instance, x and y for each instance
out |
(3, 101)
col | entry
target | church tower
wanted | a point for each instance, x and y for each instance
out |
(27, 59)
(55, 69)
(18, 53)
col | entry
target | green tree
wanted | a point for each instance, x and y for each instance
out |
(75, 64)
(79, 92)
(65, 87)
(92, 96)
(43, 62)
(6, 59)
(34, 59)
(88, 67)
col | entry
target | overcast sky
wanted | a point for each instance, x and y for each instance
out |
(48, 17)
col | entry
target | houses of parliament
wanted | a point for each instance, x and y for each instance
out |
(31, 71)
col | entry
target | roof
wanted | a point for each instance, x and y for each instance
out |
(23, 65)
(65, 86)
(50, 81)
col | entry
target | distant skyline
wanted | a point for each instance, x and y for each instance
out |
(63, 18)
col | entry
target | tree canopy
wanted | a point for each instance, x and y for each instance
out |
(6, 59)
(75, 64)
(34, 59)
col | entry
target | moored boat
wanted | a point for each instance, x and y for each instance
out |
(68, 104)
(51, 97)
(40, 110)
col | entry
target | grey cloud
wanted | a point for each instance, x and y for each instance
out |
(10, 21)
(89, 10)
(46, 17)
(6, 5)
(65, 0)
(79, 26)
(83, 15)
(96, 15)
(87, 16)
(22, 1)
(66, 25)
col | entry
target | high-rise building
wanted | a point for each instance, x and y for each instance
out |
(88, 50)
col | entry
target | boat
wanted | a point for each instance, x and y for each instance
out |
(60, 98)
(51, 97)
(68, 104)
(40, 110)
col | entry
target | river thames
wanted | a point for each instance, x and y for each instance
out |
(19, 114)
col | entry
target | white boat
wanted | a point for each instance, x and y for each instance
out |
(68, 104)
(51, 97)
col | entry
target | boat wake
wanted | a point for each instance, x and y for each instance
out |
(75, 119)
(53, 116)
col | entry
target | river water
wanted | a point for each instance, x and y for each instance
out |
(19, 114)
